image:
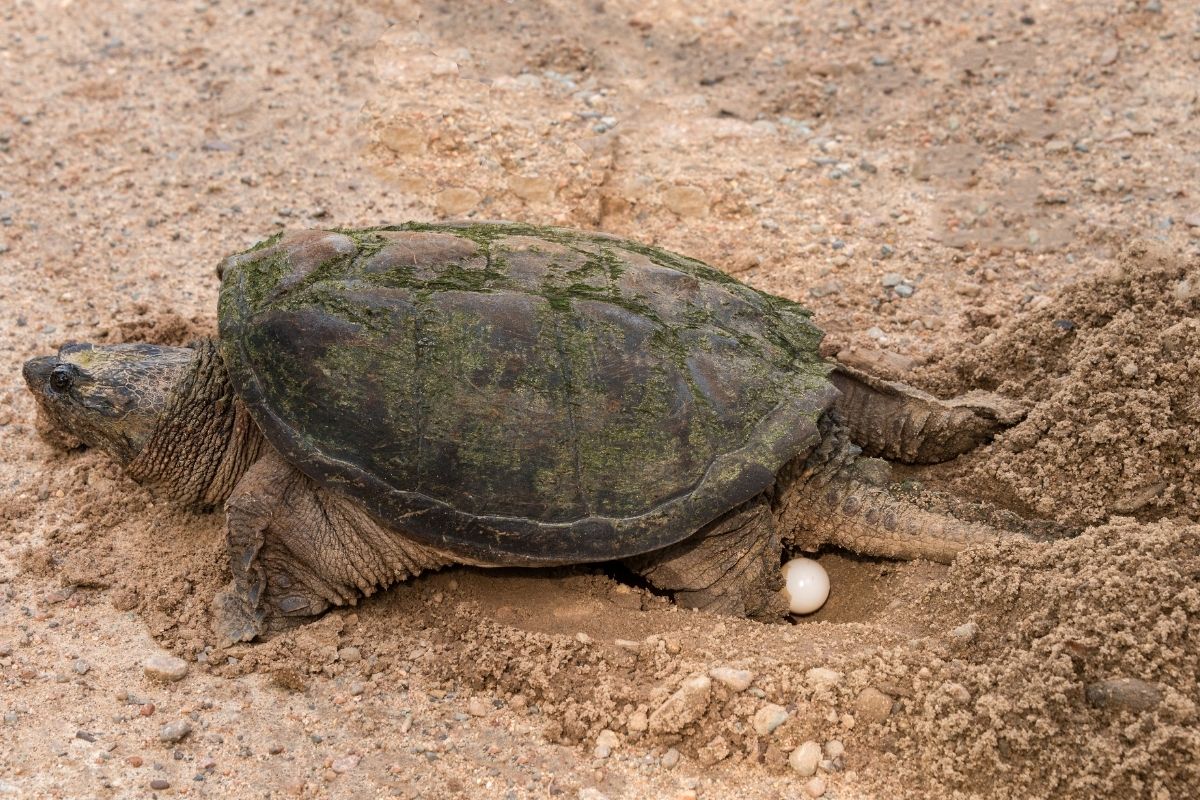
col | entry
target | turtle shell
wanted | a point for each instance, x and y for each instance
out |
(520, 395)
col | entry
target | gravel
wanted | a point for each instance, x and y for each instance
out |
(174, 731)
(804, 759)
(768, 718)
(164, 668)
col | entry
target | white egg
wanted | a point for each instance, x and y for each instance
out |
(806, 585)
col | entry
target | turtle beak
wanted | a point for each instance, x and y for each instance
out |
(37, 371)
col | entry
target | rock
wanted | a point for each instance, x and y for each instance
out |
(686, 201)
(606, 742)
(350, 655)
(873, 705)
(478, 707)
(457, 200)
(737, 680)
(804, 759)
(1108, 57)
(81, 667)
(823, 676)
(768, 718)
(682, 708)
(965, 633)
(174, 731)
(715, 751)
(1192, 220)
(826, 288)
(904, 290)
(402, 139)
(164, 668)
(834, 749)
(670, 758)
(532, 188)
(1123, 694)
(344, 764)
(158, 784)
(891, 279)
(815, 786)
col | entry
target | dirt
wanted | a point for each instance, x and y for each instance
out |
(1024, 172)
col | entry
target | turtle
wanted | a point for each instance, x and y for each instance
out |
(384, 401)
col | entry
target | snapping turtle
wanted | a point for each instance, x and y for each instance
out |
(390, 400)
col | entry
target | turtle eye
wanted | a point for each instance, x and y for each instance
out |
(61, 378)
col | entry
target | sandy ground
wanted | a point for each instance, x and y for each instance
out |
(1001, 196)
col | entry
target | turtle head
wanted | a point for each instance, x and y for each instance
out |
(106, 396)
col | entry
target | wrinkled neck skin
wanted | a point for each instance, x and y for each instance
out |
(205, 439)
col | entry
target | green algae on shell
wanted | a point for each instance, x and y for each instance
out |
(516, 394)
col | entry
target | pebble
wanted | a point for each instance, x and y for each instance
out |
(738, 680)
(685, 706)
(875, 332)
(478, 707)
(1123, 694)
(826, 288)
(344, 764)
(892, 279)
(159, 784)
(1192, 220)
(904, 290)
(873, 705)
(165, 668)
(81, 666)
(768, 718)
(686, 201)
(966, 632)
(670, 758)
(606, 742)
(174, 731)
(834, 749)
(823, 676)
(804, 759)
(815, 787)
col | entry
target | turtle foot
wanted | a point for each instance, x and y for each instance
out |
(731, 566)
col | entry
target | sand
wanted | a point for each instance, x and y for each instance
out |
(1024, 172)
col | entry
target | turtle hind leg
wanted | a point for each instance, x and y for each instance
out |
(731, 566)
(296, 549)
(902, 423)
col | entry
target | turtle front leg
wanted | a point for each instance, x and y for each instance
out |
(730, 566)
(296, 548)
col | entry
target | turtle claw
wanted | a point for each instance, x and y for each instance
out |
(234, 618)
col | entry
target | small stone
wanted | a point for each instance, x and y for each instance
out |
(904, 290)
(823, 676)
(670, 758)
(216, 146)
(768, 718)
(815, 786)
(344, 764)
(714, 752)
(606, 742)
(1108, 57)
(804, 759)
(164, 668)
(158, 784)
(1192, 220)
(738, 680)
(686, 201)
(965, 633)
(81, 667)
(357, 688)
(892, 279)
(478, 707)
(1123, 694)
(826, 288)
(350, 655)
(682, 708)
(873, 705)
(134, 761)
(174, 731)
(834, 749)
(457, 200)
